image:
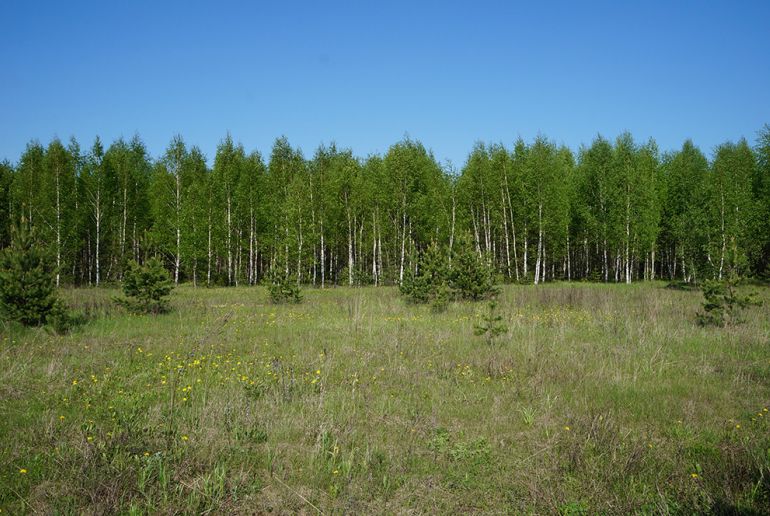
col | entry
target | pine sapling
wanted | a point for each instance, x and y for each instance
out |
(28, 282)
(283, 288)
(146, 288)
(723, 305)
(491, 324)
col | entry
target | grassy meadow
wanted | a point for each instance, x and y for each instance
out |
(599, 398)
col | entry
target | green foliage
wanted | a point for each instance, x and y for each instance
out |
(491, 324)
(429, 280)
(441, 298)
(724, 305)
(27, 282)
(616, 211)
(146, 288)
(6, 180)
(61, 320)
(471, 278)
(434, 282)
(283, 288)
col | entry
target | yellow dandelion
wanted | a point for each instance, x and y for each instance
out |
(566, 428)
(61, 418)
(75, 381)
(185, 438)
(146, 454)
(737, 427)
(317, 371)
(22, 471)
(694, 475)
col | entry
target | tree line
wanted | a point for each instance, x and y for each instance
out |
(615, 211)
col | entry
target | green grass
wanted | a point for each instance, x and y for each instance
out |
(598, 399)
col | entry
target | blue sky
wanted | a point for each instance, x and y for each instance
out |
(364, 74)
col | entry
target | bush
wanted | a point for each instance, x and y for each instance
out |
(146, 288)
(723, 305)
(61, 320)
(429, 280)
(28, 282)
(491, 324)
(434, 282)
(283, 288)
(471, 278)
(442, 297)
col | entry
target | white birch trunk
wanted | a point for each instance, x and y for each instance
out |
(58, 227)
(208, 266)
(98, 233)
(229, 243)
(323, 257)
(539, 243)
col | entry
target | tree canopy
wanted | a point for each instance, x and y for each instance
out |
(617, 211)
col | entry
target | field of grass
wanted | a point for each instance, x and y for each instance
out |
(599, 398)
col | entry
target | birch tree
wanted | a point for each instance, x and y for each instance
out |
(57, 206)
(683, 219)
(6, 202)
(227, 168)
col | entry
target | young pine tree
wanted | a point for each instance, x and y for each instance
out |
(723, 305)
(491, 324)
(283, 288)
(28, 282)
(429, 283)
(471, 278)
(146, 288)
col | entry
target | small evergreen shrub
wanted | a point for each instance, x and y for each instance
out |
(62, 320)
(283, 288)
(28, 282)
(433, 281)
(146, 288)
(723, 305)
(442, 298)
(470, 277)
(491, 324)
(430, 279)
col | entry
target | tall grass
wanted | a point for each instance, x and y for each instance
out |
(599, 398)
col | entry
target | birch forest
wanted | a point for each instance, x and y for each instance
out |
(616, 211)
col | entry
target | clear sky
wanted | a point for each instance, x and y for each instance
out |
(364, 74)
